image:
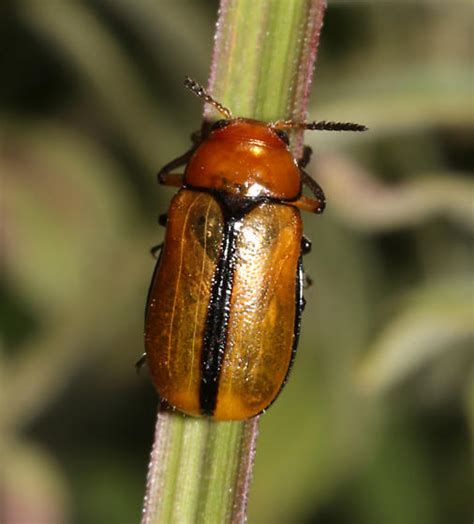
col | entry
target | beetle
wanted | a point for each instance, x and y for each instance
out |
(224, 308)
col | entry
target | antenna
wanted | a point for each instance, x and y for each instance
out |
(200, 92)
(323, 125)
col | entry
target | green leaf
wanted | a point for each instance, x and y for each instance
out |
(433, 320)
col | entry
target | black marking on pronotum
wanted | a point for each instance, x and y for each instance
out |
(283, 135)
(218, 311)
(220, 124)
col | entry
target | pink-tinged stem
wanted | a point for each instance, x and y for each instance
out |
(262, 67)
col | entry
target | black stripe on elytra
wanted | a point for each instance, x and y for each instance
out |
(218, 311)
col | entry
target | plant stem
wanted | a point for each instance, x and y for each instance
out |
(264, 53)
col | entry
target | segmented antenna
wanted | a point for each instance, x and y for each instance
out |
(200, 92)
(323, 125)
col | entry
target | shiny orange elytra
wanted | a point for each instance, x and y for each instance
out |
(224, 307)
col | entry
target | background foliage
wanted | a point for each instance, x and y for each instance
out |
(376, 422)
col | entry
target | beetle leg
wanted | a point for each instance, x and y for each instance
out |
(305, 245)
(155, 250)
(171, 179)
(305, 249)
(196, 137)
(314, 205)
(305, 158)
(165, 174)
(314, 187)
(162, 219)
(140, 363)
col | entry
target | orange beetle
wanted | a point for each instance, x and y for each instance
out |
(224, 307)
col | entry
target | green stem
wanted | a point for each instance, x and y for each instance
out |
(200, 470)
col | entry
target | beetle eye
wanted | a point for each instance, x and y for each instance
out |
(283, 135)
(220, 124)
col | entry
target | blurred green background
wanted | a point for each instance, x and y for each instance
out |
(375, 424)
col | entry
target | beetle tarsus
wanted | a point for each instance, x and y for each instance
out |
(140, 363)
(155, 250)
